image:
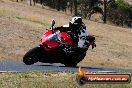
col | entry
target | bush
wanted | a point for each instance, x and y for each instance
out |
(119, 12)
(88, 7)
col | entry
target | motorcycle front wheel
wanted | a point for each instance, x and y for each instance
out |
(31, 56)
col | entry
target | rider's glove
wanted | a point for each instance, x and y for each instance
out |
(91, 40)
(93, 45)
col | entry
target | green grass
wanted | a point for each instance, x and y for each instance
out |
(48, 80)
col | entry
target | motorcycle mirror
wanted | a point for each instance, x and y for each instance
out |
(52, 24)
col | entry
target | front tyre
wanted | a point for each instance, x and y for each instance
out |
(31, 56)
(28, 60)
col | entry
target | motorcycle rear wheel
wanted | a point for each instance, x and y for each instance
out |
(74, 60)
(70, 64)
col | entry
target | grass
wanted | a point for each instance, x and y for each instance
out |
(4, 12)
(29, 22)
(33, 19)
(48, 80)
(34, 15)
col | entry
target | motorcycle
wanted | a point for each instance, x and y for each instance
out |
(56, 47)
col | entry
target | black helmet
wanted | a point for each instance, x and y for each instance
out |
(75, 22)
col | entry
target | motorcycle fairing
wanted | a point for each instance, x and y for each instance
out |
(50, 39)
(53, 38)
(65, 38)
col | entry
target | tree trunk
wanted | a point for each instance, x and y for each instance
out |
(34, 1)
(105, 10)
(30, 3)
(75, 7)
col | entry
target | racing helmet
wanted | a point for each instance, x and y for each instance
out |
(75, 22)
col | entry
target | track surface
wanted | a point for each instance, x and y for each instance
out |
(19, 66)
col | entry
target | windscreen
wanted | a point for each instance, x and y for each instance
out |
(54, 36)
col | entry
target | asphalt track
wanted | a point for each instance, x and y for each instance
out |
(19, 66)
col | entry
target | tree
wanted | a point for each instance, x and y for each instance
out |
(75, 7)
(120, 13)
(105, 10)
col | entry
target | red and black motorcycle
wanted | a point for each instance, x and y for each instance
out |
(55, 47)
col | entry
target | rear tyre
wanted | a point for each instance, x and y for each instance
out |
(75, 60)
(31, 56)
(70, 64)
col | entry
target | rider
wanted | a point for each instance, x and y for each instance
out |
(77, 30)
